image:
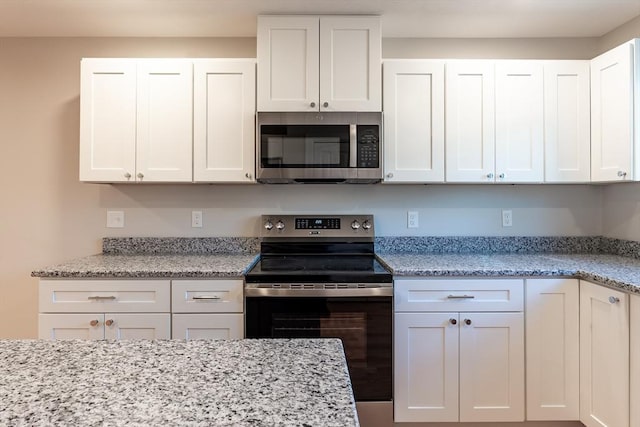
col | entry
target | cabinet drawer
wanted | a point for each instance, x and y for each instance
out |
(207, 296)
(100, 296)
(458, 295)
(208, 326)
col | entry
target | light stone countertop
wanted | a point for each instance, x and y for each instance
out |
(301, 382)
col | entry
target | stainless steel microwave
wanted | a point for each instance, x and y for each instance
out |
(319, 147)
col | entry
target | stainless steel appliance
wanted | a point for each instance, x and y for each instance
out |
(319, 147)
(318, 277)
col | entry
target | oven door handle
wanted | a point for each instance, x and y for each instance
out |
(252, 292)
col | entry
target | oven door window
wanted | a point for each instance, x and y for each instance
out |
(300, 146)
(363, 325)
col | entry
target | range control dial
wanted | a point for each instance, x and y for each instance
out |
(268, 225)
(366, 224)
(280, 225)
(355, 224)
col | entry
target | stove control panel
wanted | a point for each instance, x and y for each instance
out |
(339, 226)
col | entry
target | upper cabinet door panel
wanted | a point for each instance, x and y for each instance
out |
(567, 121)
(108, 120)
(612, 115)
(470, 121)
(288, 58)
(164, 134)
(350, 63)
(519, 121)
(224, 120)
(414, 121)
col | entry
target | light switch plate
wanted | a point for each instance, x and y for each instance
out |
(115, 219)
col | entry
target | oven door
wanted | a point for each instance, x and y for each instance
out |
(364, 324)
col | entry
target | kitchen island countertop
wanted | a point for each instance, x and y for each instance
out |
(303, 382)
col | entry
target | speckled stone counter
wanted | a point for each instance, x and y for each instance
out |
(612, 270)
(148, 266)
(175, 383)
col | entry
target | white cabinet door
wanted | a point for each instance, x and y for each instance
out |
(470, 121)
(108, 120)
(86, 326)
(164, 121)
(519, 122)
(425, 367)
(612, 115)
(413, 121)
(634, 363)
(207, 296)
(491, 367)
(208, 326)
(604, 356)
(350, 69)
(288, 63)
(553, 358)
(567, 121)
(118, 326)
(224, 120)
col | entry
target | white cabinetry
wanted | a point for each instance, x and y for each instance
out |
(567, 121)
(604, 356)
(613, 143)
(207, 309)
(104, 309)
(634, 359)
(459, 350)
(224, 120)
(413, 121)
(136, 120)
(319, 63)
(552, 337)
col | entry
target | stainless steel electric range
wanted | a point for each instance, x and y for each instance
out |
(318, 277)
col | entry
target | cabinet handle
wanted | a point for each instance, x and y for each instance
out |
(502, 176)
(453, 321)
(312, 105)
(109, 322)
(460, 297)
(389, 175)
(127, 175)
(614, 300)
(467, 321)
(490, 175)
(247, 175)
(99, 298)
(94, 323)
(325, 105)
(622, 174)
(206, 298)
(140, 175)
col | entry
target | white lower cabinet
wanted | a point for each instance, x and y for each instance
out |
(553, 349)
(207, 309)
(110, 326)
(634, 363)
(604, 356)
(465, 365)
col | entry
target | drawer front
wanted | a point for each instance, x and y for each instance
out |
(100, 296)
(413, 295)
(208, 326)
(207, 296)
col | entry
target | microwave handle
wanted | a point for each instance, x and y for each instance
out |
(353, 146)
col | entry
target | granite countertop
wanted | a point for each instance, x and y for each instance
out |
(612, 270)
(151, 266)
(302, 382)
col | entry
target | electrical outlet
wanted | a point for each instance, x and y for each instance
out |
(507, 218)
(115, 219)
(196, 219)
(412, 219)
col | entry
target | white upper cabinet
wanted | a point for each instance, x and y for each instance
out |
(470, 121)
(165, 121)
(519, 121)
(612, 114)
(567, 121)
(413, 121)
(136, 120)
(224, 120)
(319, 63)
(108, 120)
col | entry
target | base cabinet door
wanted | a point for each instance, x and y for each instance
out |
(491, 367)
(634, 363)
(426, 367)
(553, 349)
(137, 326)
(604, 356)
(85, 326)
(208, 326)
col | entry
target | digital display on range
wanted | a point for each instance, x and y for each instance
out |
(317, 223)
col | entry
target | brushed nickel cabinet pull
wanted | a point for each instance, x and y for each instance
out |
(206, 298)
(99, 298)
(460, 297)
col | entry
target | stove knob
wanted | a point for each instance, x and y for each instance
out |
(355, 224)
(268, 225)
(366, 224)
(280, 225)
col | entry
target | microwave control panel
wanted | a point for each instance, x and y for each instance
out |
(368, 146)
